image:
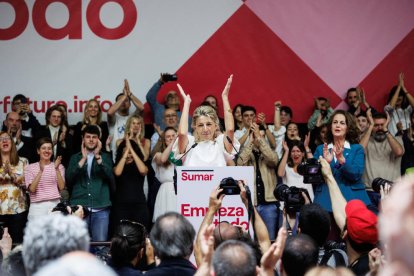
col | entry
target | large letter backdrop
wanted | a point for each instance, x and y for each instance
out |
(72, 50)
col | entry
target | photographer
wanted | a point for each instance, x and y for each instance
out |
(257, 152)
(216, 199)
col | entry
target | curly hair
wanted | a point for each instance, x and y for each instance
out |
(352, 131)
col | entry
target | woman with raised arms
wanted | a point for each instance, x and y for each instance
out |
(206, 147)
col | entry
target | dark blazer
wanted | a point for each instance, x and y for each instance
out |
(176, 266)
(348, 176)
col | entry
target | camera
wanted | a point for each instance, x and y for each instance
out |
(292, 196)
(311, 170)
(378, 182)
(169, 77)
(229, 186)
(62, 207)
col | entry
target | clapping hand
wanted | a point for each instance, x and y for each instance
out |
(327, 155)
(58, 161)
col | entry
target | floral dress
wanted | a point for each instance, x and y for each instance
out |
(12, 195)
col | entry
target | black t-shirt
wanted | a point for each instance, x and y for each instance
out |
(361, 265)
(130, 185)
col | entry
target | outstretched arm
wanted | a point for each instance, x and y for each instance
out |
(281, 170)
(138, 104)
(228, 115)
(337, 199)
(276, 119)
(214, 205)
(259, 226)
(114, 108)
(410, 98)
(183, 126)
(397, 93)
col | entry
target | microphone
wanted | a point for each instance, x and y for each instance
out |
(185, 153)
(237, 152)
(175, 171)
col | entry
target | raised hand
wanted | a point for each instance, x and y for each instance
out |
(326, 168)
(307, 140)
(98, 148)
(126, 85)
(274, 253)
(62, 135)
(261, 118)
(186, 97)
(108, 143)
(285, 146)
(243, 192)
(338, 150)
(369, 117)
(362, 96)
(227, 87)
(256, 130)
(84, 151)
(216, 198)
(327, 154)
(401, 80)
(58, 161)
(18, 134)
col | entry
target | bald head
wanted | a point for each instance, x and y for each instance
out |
(13, 122)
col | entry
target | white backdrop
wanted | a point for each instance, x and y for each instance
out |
(165, 35)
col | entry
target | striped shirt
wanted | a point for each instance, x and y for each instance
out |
(47, 189)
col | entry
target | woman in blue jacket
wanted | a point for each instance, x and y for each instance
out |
(347, 160)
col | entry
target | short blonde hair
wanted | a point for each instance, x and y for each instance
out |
(207, 111)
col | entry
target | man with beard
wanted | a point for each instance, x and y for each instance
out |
(25, 146)
(89, 177)
(383, 153)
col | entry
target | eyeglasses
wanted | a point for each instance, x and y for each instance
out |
(170, 116)
(4, 139)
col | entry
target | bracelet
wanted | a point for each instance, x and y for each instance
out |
(98, 158)
(308, 151)
(386, 132)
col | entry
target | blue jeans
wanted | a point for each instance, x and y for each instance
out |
(270, 214)
(98, 225)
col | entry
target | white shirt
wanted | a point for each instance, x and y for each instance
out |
(206, 153)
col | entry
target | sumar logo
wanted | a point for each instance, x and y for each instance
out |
(197, 175)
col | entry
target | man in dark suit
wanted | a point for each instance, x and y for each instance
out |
(172, 237)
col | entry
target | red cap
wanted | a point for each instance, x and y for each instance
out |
(361, 223)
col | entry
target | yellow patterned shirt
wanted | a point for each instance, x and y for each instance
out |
(12, 195)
